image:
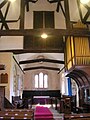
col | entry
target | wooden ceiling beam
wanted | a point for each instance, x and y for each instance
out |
(41, 67)
(51, 32)
(53, 1)
(22, 51)
(33, 1)
(41, 60)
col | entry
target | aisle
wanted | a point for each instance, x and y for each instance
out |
(42, 113)
(56, 115)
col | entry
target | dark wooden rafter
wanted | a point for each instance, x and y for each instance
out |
(41, 67)
(87, 14)
(85, 17)
(80, 12)
(29, 32)
(27, 3)
(54, 1)
(22, 51)
(52, 32)
(67, 15)
(59, 32)
(60, 5)
(11, 21)
(3, 3)
(1, 15)
(8, 5)
(41, 60)
(22, 10)
(27, 6)
(22, 14)
(33, 1)
(18, 64)
(3, 20)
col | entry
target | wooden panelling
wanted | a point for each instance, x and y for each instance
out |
(2, 67)
(36, 43)
(51, 93)
(4, 78)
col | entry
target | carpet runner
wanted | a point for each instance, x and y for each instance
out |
(42, 113)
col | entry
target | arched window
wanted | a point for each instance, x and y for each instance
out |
(45, 81)
(41, 80)
(36, 81)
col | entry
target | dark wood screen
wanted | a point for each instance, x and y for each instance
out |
(3, 78)
(51, 44)
(51, 93)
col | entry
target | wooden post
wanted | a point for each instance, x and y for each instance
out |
(2, 95)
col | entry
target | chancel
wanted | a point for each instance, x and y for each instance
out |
(45, 59)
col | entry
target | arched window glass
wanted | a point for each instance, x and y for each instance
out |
(45, 81)
(41, 80)
(36, 81)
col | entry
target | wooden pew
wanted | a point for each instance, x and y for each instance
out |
(16, 117)
(19, 110)
(17, 114)
(83, 116)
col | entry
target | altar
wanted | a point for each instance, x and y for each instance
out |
(41, 96)
(41, 100)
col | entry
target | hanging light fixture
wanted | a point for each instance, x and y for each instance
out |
(84, 1)
(44, 36)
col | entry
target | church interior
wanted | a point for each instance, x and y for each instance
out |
(45, 59)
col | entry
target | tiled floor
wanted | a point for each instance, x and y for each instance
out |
(56, 115)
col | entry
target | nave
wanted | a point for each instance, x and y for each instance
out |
(37, 112)
(40, 112)
(54, 69)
